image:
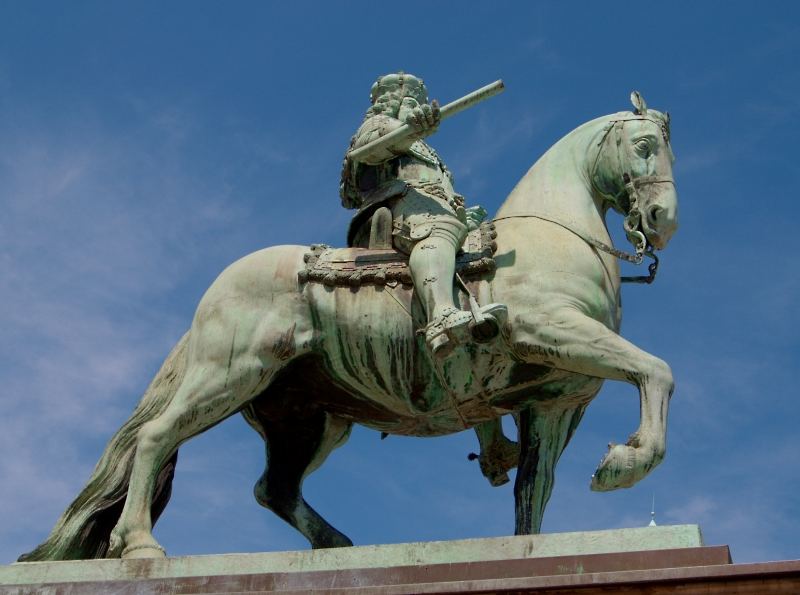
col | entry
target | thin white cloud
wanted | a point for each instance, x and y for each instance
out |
(96, 227)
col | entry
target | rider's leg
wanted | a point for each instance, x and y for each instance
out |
(432, 264)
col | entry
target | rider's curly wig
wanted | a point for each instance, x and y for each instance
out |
(387, 104)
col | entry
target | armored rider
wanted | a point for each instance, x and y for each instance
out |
(430, 222)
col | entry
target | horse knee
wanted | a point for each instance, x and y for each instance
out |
(661, 374)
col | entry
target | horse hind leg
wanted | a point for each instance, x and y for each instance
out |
(209, 393)
(295, 447)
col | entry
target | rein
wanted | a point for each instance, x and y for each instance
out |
(637, 258)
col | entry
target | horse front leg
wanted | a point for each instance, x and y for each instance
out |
(543, 435)
(567, 339)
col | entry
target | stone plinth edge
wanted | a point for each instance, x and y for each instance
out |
(687, 571)
(372, 556)
(648, 561)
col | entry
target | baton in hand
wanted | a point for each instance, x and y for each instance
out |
(448, 110)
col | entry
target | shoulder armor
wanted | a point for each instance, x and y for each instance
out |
(423, 151)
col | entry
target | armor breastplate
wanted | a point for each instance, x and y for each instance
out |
(412, 169)
(419, 166)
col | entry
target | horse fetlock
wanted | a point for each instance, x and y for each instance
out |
(125, 543)
(649, 445)
(115, 545)
(657, 455)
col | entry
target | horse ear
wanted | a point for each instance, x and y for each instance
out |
(639, 106)
(666, 125)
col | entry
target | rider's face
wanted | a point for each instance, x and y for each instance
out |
(406, 107)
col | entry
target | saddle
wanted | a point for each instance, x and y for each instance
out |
(380, 264)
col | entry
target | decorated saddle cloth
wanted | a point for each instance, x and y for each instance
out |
(353, 267)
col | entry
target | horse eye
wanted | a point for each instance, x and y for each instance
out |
(643, 146)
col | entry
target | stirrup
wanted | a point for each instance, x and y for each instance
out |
(446, 332)
(488, 321)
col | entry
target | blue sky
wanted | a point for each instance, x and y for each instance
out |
(145, 146)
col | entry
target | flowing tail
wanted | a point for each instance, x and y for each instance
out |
(83, 531)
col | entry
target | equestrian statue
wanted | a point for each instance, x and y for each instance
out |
(433, 320)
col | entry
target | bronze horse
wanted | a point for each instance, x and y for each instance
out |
(304, 361)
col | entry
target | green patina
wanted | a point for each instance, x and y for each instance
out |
(304, 360)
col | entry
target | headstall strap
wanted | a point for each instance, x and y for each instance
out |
(631, 184)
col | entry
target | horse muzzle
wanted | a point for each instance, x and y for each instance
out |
(659, 213)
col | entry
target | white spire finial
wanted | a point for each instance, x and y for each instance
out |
(653, 513)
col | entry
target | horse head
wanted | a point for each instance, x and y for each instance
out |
(632, 174)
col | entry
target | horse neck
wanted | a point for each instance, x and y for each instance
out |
(558, 186)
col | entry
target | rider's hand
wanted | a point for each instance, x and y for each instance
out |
(425, 118)
(475, 216)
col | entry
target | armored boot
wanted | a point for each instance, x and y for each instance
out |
(432, 264)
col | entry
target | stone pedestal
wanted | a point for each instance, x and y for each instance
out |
(649, 560)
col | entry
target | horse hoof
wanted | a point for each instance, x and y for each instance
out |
(499, 480)
(618, 469)
(331, 540)
(144, 550)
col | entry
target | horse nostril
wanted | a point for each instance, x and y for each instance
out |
(653, 214)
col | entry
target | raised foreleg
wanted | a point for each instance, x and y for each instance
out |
(566, 339)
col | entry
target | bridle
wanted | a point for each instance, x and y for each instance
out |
(626, 199)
